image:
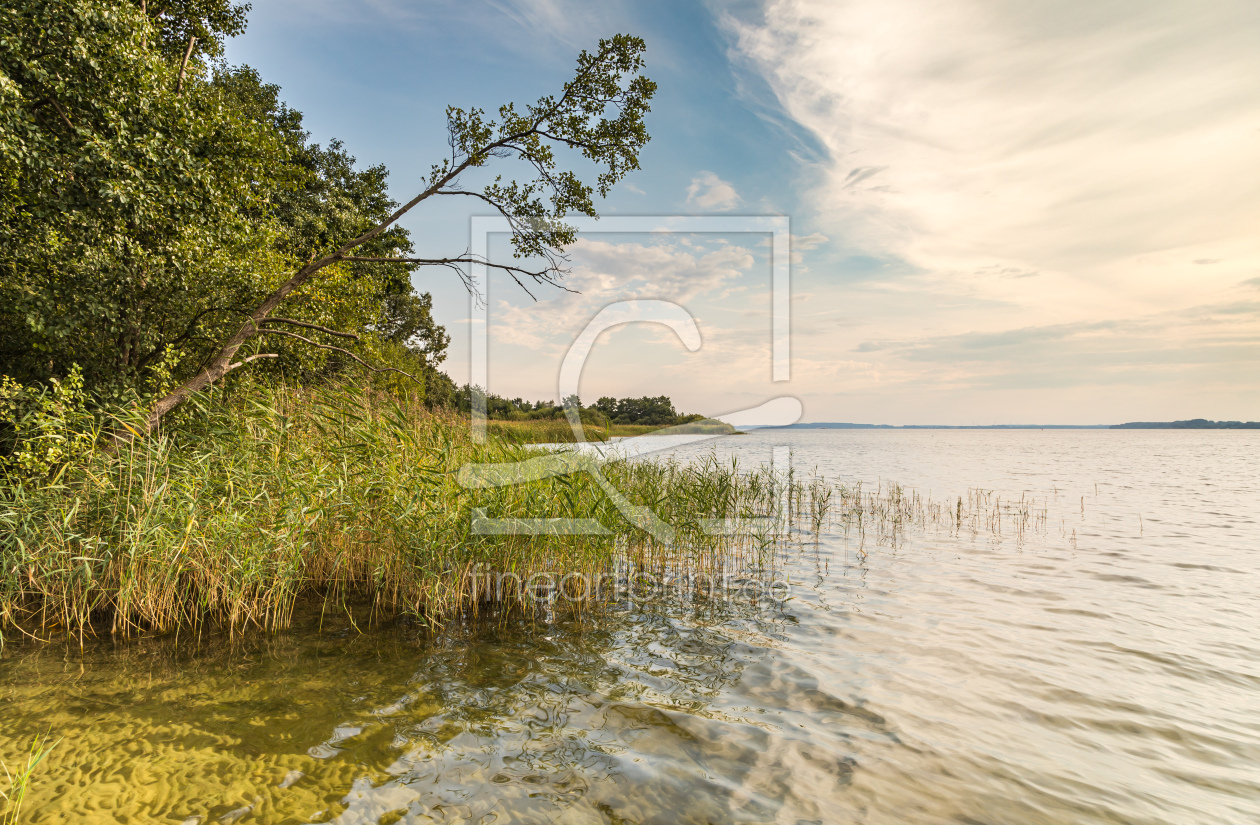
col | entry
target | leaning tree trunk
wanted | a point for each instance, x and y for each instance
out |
(222, 364)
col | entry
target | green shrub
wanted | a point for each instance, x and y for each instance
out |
(44, 427)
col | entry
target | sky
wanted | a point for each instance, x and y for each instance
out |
(1017, 212)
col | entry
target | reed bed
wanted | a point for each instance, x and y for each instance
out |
(885, 513)
(249, 504)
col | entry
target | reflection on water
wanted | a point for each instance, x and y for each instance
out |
(949, 679)
(620, 719)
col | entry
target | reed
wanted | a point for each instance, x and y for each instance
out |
(252, 503)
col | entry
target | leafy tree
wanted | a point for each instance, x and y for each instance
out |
(645, 410)
(331, 200)
(194, 27)
(156, 208)
(652, 411)
(129, 208)
(145, 215)
(599, 113)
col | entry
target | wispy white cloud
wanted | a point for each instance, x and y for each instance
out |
(800, 244)
(1036, 165)
(603, 271)
(708, 191)
(1097, 142)
(805, 243)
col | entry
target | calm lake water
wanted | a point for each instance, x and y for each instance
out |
(1105, 668)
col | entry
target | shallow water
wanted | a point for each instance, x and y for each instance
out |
(1102, 669)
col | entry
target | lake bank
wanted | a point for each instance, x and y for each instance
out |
(245, 506)
(1099, 668)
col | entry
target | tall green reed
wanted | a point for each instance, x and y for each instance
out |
(250, 503)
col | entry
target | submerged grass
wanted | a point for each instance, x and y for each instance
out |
(253, 503)
(19, 780)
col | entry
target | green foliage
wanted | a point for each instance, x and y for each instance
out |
(131, 210)
(141, 224)
(158, 207)
(598, 114)
(645, 410)
(594, 428)
(210, 21)
(42, 428)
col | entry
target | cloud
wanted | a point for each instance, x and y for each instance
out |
(604, 271)
(800, 244)
(1095, 145)
(805, 243)
(710, 192)
(1140, 350)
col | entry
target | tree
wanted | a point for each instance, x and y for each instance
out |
(163, 217)
(151, 200)
(332, 200)
(645, 410)
(135, 215)
(598, 114)
(195, 28)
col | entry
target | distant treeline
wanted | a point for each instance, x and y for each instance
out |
(1192, 424)
(652, 411)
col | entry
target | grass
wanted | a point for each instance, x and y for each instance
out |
(19, 782)
(557, 431)
(250, 504)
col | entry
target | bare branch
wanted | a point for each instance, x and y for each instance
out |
(183, 65)
(279, 320)
(245, 361)
(337, 349)
(542, 276)
(60, 111)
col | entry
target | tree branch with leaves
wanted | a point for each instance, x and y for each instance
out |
(598, 114)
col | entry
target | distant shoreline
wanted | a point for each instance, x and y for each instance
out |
(1190, 424)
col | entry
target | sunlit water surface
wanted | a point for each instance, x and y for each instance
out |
(1105, 668)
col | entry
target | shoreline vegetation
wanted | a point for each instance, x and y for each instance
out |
(250, 503)
(553, 431)
(220, 391)
(247, 502)
(1191, 424)
(544, 422)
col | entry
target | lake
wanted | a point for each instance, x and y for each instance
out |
(1102, 667)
